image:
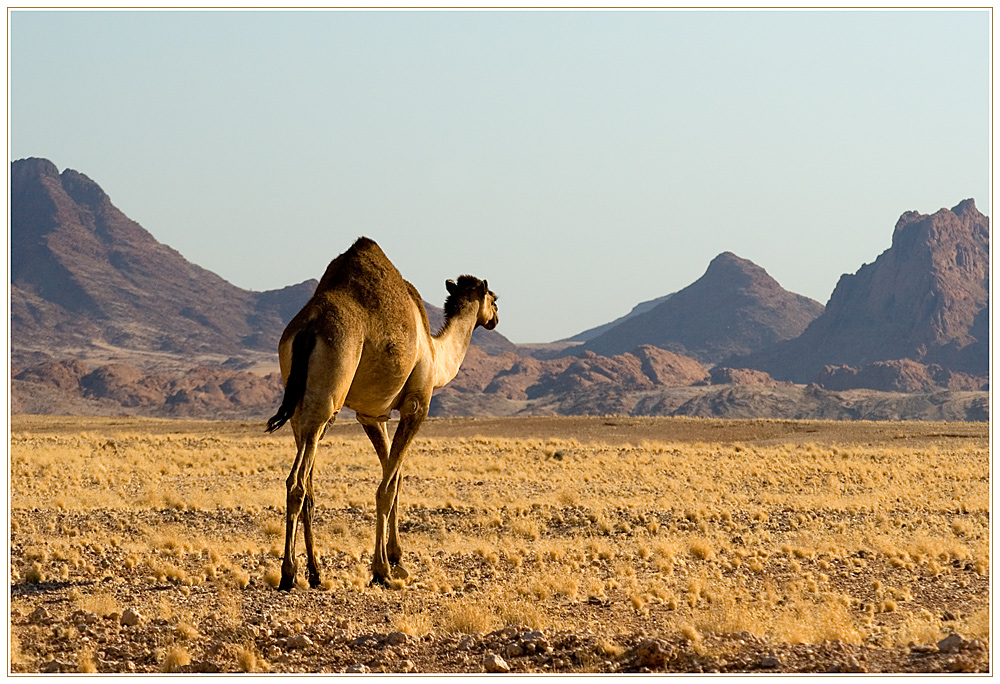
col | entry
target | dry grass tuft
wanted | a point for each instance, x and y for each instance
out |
(468, 618)
(174, 658)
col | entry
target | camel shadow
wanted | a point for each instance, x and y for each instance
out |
(34, 588)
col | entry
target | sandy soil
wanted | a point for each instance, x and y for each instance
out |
(85, 596)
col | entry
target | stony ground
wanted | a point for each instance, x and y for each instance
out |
(550, 585)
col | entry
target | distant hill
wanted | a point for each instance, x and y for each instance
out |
(735, 308)
(640, 308)
(926, 298)
(84, 274)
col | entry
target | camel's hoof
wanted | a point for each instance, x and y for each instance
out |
(287, 582)
(386, 583)
(315, 582)
(398, 571)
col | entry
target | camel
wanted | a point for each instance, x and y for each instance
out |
(364, 341)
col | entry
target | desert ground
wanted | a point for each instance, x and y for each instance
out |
(569, 545)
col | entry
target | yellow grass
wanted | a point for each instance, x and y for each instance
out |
(694, 538)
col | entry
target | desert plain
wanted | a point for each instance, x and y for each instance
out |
(564, 545)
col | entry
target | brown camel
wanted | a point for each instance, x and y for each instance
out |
(363, 341)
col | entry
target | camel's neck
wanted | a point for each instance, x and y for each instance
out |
(451, 344)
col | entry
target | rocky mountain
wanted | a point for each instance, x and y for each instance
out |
(640, 308)
(925, 299)
(107, 320)
(84, 274)
(734, 308)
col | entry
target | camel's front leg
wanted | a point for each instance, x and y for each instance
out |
(388, 553)
(376, 431)
(393, 549)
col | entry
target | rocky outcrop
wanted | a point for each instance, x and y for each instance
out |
(735, 308)
(901, 375)
(120, 388)
(522, 378)
(721, 375)
(926, 298)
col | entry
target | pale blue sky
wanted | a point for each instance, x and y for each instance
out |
(581, 161)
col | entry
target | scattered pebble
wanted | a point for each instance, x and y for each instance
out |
(131, 618)
(299, 641)
(396, 639)
(770, 662)
(39, 616)
(57, 666)
(951, 643)
(494, 663)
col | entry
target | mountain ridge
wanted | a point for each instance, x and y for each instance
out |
(735, 307)
(83, 272)
(104, 318)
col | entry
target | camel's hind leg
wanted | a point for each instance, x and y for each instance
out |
(307, 533)
(326, 389)
(299, 502)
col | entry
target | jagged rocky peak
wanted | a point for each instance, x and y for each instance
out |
(926, 298)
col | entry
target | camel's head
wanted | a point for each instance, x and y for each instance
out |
(470, 289)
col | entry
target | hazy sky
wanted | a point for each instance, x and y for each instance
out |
(581, 161)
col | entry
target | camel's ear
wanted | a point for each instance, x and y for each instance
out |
(486, 286)
(450, 286)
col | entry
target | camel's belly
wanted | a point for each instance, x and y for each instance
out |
(378, 387)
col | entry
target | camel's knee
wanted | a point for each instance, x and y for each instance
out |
(295, 499)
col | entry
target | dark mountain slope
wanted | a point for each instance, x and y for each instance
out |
(736, 307)
(83, 273)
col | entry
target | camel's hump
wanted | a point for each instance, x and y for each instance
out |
(364, 262)
(365, 274)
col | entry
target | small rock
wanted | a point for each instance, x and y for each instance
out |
(510, 632)
(514, 650)
(467, 643)
(84, 617)
(494, 663)
(650, 653)
(131, 618)
(357, 669)
(951, 643)
(56, 666)
(204, 666)
(407, 666)
(299, 641)
(272, 652)
(770, 662)
(396, 639)
(39, 615)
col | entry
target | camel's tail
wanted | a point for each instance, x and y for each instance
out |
(302, 347)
